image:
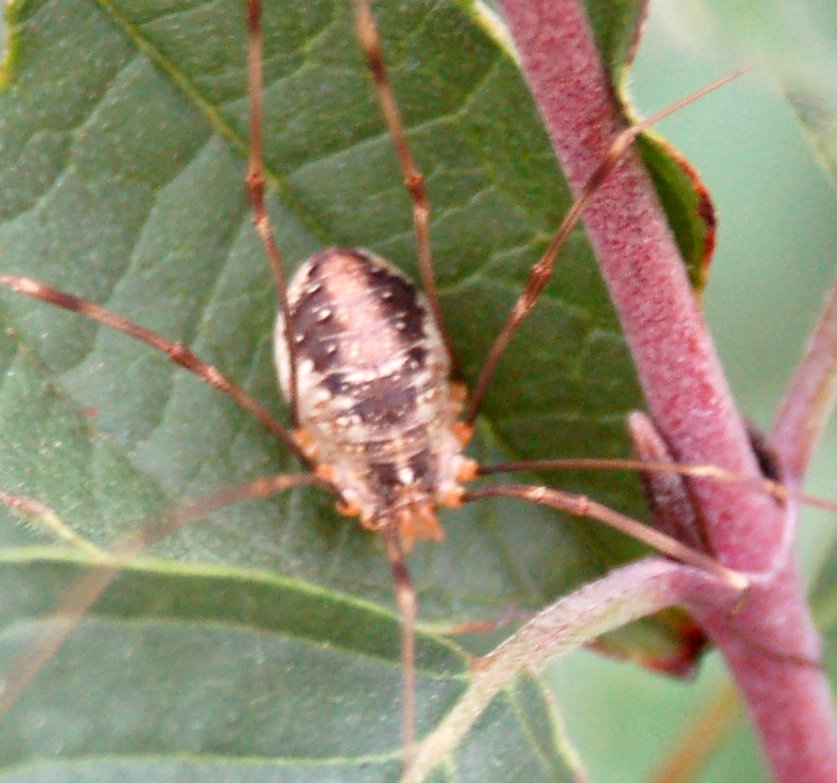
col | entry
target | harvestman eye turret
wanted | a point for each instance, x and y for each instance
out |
(365, 364)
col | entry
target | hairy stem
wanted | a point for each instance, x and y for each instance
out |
(625, 594)
(770, 643)
(684, 385)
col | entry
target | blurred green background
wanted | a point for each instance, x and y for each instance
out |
(774, 263)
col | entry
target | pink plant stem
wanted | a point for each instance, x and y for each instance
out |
(684, 385)
(772, 653)
(809, 401)
(686, 392)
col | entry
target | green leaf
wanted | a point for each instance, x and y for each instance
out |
(122, 157)
(229, 674)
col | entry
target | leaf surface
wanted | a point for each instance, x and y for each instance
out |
(122, 157)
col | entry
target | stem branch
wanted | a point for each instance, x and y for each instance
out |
(770, 643)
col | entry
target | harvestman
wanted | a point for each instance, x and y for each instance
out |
(378, 428)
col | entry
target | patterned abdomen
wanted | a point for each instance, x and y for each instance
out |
(374, 398)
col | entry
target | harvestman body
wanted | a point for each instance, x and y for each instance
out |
(366, 367)
(376, 405)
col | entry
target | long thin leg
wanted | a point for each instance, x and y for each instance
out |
(89, 588)
(768, 486)
(582, 506)
(255, 188)
(367, 35)
(405, 598)
(175, 351)
(542, 271)
(42, 518)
